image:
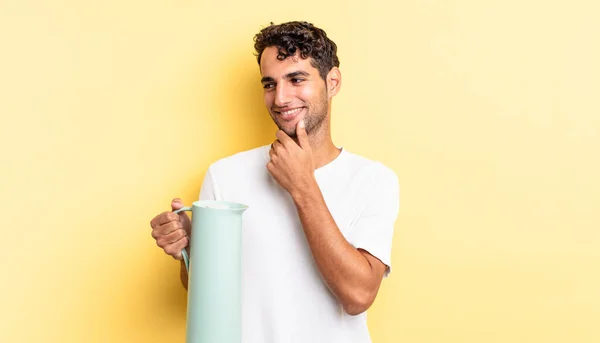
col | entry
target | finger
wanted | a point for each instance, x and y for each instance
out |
(164, 241)
(271, 168)
(277, 147)
(176, 204)
(302, 135)
(284, 138)
(163, 218)
(272, 153)
(166, 229)
(175, 248)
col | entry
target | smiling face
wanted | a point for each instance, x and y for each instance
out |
(293, 90)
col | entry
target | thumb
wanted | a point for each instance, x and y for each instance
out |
(302, 135)
(177, 204)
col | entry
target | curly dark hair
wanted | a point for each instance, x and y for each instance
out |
(301, 36)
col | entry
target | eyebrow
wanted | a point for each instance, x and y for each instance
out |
(296, 73)
(287, 76)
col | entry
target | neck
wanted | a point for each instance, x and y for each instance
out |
(324, 153)
(323, 149)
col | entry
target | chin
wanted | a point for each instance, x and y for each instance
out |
(291, 132)
(289, 129)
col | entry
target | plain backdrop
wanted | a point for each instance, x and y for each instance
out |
(488, 111)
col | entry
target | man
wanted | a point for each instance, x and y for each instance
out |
(317, 235)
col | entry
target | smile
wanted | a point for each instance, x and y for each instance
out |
(290, 114)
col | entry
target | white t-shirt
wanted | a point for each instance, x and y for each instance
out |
(284, 299)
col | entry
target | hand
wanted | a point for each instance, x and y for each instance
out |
(292, 164)
(171, 231)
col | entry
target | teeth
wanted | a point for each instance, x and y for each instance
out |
(291, 111)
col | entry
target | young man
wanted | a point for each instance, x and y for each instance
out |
(317, 236)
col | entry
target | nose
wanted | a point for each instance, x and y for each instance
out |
(282, 95)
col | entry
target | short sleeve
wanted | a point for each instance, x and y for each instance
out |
(373, 230)
(209, 189)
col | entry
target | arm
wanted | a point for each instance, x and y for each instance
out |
(353, 275)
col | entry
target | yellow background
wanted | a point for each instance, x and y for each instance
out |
(488, 111)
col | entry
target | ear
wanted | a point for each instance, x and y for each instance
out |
(334, 81)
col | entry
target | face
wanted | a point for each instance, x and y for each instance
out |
(293, 90)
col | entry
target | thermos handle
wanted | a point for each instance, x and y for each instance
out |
(184, 253)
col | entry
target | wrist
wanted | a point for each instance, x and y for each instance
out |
(306, 191)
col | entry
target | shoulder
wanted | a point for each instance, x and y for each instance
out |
(241, 162)
(376, 171)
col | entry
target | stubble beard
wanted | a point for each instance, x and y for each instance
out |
(312, 121)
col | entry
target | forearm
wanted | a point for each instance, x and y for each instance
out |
(346, 271)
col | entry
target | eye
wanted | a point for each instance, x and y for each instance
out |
(297, 80)
(268, 85)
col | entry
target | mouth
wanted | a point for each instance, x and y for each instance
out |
(289, 114)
